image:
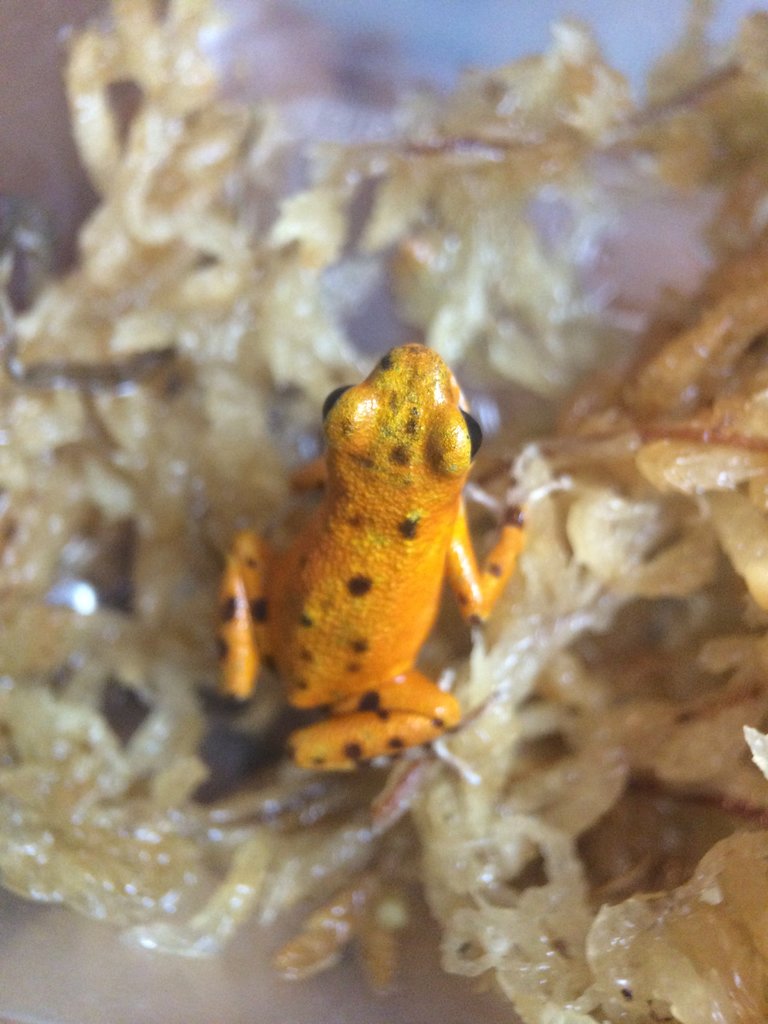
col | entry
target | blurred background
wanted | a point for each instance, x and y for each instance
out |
(364, 51)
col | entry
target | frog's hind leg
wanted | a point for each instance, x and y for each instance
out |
(241, 636)
(406, 711)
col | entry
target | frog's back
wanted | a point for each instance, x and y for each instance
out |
(352, 612)
(358, 591)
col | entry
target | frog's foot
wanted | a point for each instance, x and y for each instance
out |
(242, 612)
(383, 720)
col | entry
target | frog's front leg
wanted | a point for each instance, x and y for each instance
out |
(386, 719)
(312, 476)
(478, 588)
(241, 636)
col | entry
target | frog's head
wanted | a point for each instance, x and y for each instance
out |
(406, 417)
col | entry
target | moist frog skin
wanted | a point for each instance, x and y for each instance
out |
(343, 612)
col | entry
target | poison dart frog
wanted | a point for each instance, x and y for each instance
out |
(342, 613)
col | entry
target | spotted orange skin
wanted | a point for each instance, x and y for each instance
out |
(343, 612)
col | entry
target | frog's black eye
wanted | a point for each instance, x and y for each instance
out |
(475, 434)
(333, 398)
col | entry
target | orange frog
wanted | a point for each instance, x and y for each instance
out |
(343, 612)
